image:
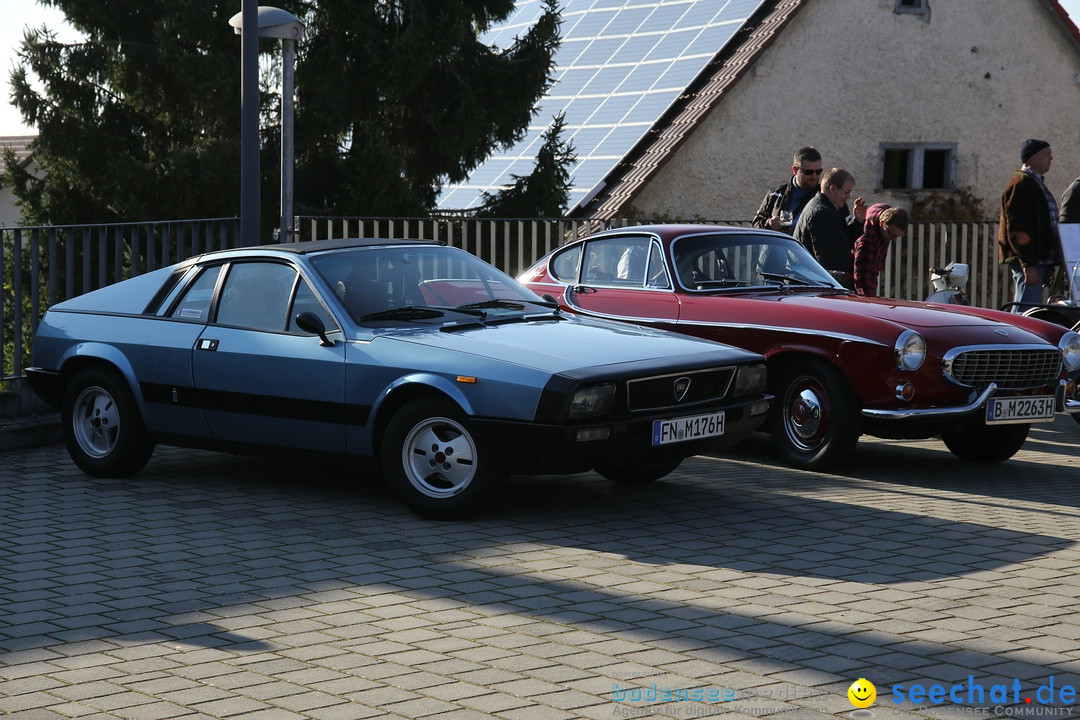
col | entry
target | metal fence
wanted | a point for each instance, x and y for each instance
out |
(44, 265)
(40, 266)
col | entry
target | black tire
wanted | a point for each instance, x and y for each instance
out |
(103, 429)
(815, 420)
(975, 442)
(434, 462)
(638, 474)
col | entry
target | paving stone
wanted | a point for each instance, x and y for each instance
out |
(220, 586)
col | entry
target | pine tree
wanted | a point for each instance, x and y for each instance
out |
(398, 98)
(140, 121)
(543, 193)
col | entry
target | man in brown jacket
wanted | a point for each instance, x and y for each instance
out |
(1028, 238)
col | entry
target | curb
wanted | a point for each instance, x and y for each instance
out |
(30, 431)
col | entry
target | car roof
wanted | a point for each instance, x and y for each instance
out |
(677, 229)
(310, 246)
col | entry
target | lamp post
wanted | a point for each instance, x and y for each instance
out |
(277, 23)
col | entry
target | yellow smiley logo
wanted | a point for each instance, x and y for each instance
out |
(862, 693)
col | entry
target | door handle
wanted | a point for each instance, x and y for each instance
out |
(207, 344)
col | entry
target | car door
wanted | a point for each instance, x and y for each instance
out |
(624, 278)
(261, 380)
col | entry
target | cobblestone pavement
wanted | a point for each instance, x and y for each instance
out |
(214, 586)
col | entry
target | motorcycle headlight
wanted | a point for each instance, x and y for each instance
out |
(592, 400)
(750, 380)
(1070, 350)
(909, 351)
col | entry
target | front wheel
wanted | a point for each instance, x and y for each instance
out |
(638, 474)
(103, 430)
(976, 442)
(815, 418)
(434, 462)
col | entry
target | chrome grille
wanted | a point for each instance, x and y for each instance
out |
(657, 393)
(1010, 368)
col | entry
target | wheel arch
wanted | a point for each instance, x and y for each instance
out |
(404, 391)
(105, 357)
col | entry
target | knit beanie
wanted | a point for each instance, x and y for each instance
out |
(1030, 147)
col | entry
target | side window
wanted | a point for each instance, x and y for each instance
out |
(306, 301)
(564, 265)
(256, 296)
(616, 261)
(194, 304)
(657, 276)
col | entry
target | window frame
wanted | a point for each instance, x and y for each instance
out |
(916, 165)
(912, 7)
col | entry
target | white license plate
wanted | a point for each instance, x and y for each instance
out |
(1020, 409)
(682, 429)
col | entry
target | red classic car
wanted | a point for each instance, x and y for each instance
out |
(840, 364)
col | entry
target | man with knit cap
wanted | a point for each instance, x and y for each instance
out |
(1028, 238)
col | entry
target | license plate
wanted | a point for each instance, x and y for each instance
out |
(682, 429)
(1020, 409)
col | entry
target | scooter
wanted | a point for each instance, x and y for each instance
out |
(949, 283)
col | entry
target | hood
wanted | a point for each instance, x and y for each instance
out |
(572, 343)
(927, 318)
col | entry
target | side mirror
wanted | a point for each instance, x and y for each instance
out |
(309, 322)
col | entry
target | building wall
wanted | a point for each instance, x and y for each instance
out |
(848, 75)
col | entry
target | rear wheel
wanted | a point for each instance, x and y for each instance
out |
(975, 442)
(638, 474)
(434, 462)
(103, 429)
(815, 418)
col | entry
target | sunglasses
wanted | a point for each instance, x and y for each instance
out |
(811, 172)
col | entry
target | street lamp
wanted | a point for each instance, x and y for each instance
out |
(277, 23)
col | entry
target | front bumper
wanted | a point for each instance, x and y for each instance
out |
(535, 448)
(1062, 404)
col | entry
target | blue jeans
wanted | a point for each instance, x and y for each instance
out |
(1027, 294)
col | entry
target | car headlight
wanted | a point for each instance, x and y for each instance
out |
(1070, 350)
(592, 400)
(750, 380)
(909, 351)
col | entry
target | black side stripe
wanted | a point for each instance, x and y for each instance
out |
(253, 404)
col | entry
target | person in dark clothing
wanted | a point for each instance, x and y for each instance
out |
(1070, 203)
(792, 196)
(1028, 240)
(828, 229)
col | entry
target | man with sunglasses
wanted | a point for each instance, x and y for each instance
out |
(792, 196)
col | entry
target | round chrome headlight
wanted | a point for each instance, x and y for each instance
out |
(909, 351)
(1070, 350)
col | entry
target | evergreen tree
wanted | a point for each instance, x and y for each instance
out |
(543, 193)
(140, 121)
(396, 98)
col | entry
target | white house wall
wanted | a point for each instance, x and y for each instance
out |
(848, 75)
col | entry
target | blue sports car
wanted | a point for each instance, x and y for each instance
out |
(442, 368)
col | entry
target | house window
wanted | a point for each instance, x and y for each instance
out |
(917, 7)
(911, 166)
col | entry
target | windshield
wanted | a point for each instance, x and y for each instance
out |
(719, 260)
(407, 284)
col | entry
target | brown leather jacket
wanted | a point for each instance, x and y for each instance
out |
(1025, 230)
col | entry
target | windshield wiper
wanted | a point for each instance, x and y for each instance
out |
(729, 282)
(504, 304)
(785, 279)
(408, 312)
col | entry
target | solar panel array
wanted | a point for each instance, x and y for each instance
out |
(621, 64)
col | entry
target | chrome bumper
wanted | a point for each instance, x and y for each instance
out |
(1061, 404)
